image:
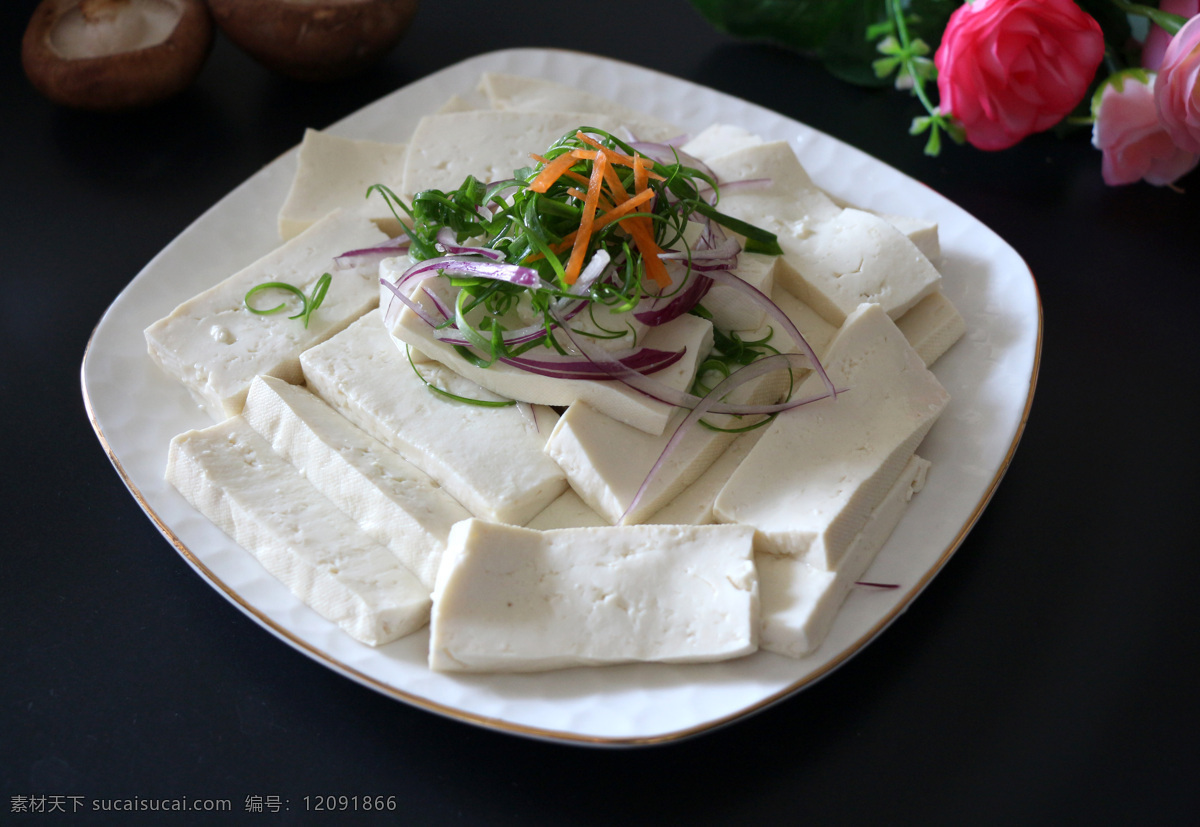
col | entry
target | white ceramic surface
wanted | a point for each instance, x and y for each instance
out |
(990, 374)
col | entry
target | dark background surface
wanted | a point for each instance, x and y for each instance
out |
(1047, 675)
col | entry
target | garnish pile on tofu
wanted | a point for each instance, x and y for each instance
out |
(570, 387)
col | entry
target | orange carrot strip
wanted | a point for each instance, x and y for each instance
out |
(604, 219)
(614, 158)
(639, 173)
(614, 184)
(576, 177)
(627, 206)
(655, 268)
(641, 229)
(552, 172)
(579, 248)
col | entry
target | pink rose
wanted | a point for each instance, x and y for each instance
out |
(1009, 68)
(1177, 91)
(1127, 130)
(1157, 38)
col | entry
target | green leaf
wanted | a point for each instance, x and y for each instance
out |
(885, 66)
(802, 24)
(934, 145)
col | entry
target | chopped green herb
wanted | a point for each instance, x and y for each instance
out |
(308, 304)
(483, 403)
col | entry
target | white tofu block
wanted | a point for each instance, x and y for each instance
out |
(920, 231)
(719, 139)
(932, 326)
(515, 599)
(815, 330)
(490, 459)
(230, 474)
(787, 204)
(513, 92)
(614, 398)
(568, 511)
(490, 145)
(214, 345)
(733, 309)
(392, 500)
(815, 476)
(334, 172)
(460, 103)
(835, 258)
(694, 505)
(606, 461)
(799, 602)
(853, 258)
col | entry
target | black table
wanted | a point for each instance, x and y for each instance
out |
(1048, 674)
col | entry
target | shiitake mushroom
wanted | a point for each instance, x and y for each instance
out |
(115, 54)
(315, 39)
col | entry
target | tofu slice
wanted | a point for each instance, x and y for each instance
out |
(215, 346)
(606, 461)
(568, 511)
(799, 602)
(694, 504)
(519, 600)
(816, 331)
(818, 472)
(719, 139)
(392, 500)
(230, 474)
(733, 309)
(334, 172)
(788, 203)
(854, 258)
(514, 92)
(920, 231)
(837, 258)
(490, 459)
(462, 103)
(615, 399)
(445, 148)
(932, 327)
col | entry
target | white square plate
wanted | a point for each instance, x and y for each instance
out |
(990, 374)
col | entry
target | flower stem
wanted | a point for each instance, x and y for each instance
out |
(907, 55)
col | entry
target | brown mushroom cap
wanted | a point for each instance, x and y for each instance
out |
(315, 39)
(115, 54)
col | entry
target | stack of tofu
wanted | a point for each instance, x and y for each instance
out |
(521, 534)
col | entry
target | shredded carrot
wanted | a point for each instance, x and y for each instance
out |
(646, 245)
(615, 201)
(579, 249)
(614, 185)
(576, 177)
(614, 158)
(603, 220)
(552, 171)
(640, 177)
(640, 229)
